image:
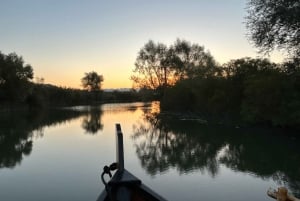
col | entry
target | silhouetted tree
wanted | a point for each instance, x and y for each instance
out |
(275, 24)
(150, 67)
(92, 81)
(191, 60)
(158, 66)
(14, 78)
(249, 90)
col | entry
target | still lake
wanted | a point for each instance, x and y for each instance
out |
(59, 155)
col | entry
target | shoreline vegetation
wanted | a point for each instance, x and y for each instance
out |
(241, 92)
(18, 91)
(46, 96)
(252, 91)
(186, 78)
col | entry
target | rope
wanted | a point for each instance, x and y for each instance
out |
(107, 170)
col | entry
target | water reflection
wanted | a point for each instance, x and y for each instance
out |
(13, 147)
(91, 122)
(125, 107)
(18, 130)
(162, 143)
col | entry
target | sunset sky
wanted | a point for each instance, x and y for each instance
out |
(63, 39)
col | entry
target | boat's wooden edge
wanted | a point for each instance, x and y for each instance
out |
(151, 193)
(125, 178)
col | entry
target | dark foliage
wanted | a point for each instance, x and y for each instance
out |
(254, 91)
(163, 143)
(18, 131)
(45, 95)
(158, 66)
(14, 78)
(17, 90)
(92, 81)
(275, 24)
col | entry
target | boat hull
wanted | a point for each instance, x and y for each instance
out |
(126, 187)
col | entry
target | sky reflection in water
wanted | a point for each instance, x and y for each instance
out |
(59, 155)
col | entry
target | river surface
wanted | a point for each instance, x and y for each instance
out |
(59, 155)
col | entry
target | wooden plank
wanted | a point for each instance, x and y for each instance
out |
(120, 148)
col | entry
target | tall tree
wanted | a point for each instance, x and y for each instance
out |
(150, 67)
(275, 24)
(191, 60)
(158, 65)
(14, 78)
(92, 81)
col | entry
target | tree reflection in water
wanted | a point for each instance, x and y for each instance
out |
(162, 142)
(91, 122)
(13, 147)
(17, 131)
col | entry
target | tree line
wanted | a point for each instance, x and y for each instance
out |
(247, 89)
(188, 79)
(253, 90)
(18, 90)
(184, 77)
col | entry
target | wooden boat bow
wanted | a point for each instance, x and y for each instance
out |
(124, 186)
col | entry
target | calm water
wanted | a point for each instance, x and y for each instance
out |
(59, 155)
